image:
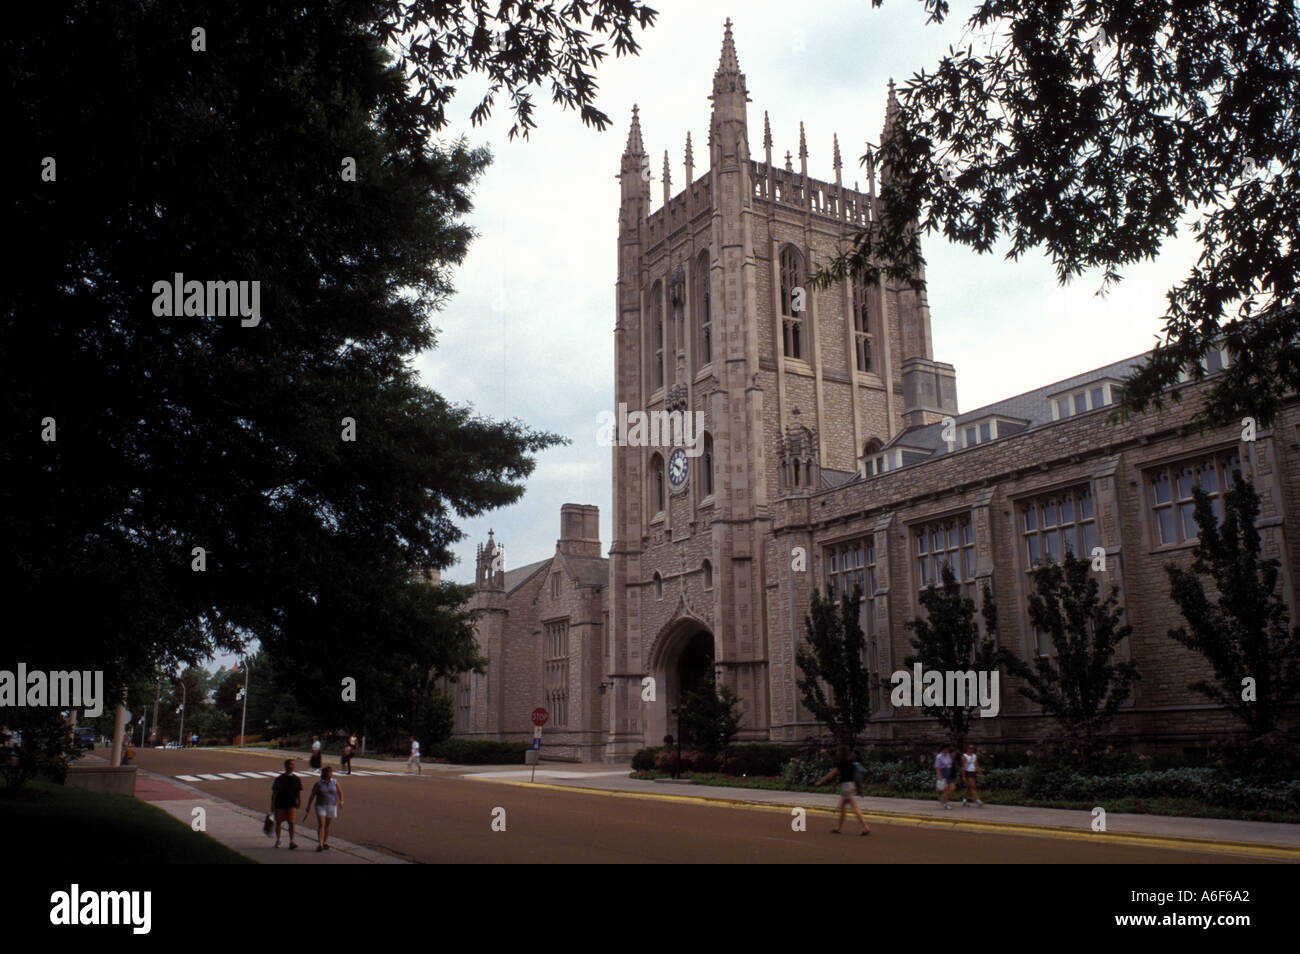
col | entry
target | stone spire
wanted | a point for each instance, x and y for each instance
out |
(767, 134)
(891, 116)
(634, 144)
(635, 183)
(835, 161)
(841, 205)
(690, 162)
(668, 183)
(729, 92)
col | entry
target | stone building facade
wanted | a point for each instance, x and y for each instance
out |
(831, 449)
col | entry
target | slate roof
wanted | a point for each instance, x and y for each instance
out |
(1033, 406)
(587, 571)
(519, 576)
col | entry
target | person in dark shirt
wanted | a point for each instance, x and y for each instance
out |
(286, 795)
(845, 769)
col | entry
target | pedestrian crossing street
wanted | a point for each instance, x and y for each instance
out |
(263, 776)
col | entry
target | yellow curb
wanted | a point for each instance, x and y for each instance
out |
(1156, 841)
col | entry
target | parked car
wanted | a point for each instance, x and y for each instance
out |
(85, 738)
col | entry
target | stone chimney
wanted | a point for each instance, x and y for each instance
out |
(929, 391)
(579, 530)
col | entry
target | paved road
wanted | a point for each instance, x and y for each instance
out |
(441, 817)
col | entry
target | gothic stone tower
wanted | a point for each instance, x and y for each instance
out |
(715, 315)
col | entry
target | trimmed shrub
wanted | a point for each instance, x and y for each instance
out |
(644, 759)
(806, 771)
(478, 752)
(692, 761)
(757, 759)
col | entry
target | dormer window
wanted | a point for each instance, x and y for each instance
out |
(1215, 360)
(1088, 398)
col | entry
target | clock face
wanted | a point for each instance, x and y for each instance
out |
(677, 469)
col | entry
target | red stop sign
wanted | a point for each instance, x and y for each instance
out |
(540, 716)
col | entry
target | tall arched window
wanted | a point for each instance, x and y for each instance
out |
(708, 575)
(659, 586)
(656, 484)
(794, 301)
(702, 305)
(656, 369)
(706, 466)
(862, 325)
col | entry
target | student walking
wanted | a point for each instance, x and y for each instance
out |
(286, 794)
(328, 797)
(415, 757)
(346, 758)
(970, 772)
(846, 769)
(945, 781)
(315, 752)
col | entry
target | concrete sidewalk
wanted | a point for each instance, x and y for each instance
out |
(240, 828)
(1226, 836)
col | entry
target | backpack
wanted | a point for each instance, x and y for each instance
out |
(859, 773)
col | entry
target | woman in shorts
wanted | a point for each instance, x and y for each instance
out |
(328, 797)
(848, 787)
(970, 772)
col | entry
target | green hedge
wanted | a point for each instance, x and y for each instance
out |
(644, 759)
(479, 752)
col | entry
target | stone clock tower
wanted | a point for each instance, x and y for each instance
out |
(716, 318)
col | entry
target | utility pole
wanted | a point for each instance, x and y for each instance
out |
(243, 721)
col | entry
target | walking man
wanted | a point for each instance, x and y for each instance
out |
(415, 757)
(286, 794)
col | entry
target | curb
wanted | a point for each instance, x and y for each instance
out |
(1251, 849)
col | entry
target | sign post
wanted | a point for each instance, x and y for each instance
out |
(540, 717)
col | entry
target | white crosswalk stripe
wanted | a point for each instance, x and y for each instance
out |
(262, 776)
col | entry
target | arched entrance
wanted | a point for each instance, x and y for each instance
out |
(683, 657)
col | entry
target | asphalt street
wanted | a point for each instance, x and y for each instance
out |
(444, 817)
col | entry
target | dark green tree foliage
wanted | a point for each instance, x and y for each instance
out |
(711, 716)
(1091, 130)
(833, 679)
(1081, 686)
(947, 639)
(1240, 626)
(47, 746)
(194, 431)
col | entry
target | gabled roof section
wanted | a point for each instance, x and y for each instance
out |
(587, 571)
(1033, 406)
(518, 577)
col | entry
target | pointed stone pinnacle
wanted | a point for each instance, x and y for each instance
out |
(767, 132)
(634, 145)
(728, 63)
(690, 156)
(835, 162)
(803, 142)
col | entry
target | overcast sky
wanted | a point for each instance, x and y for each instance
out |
(529, 334)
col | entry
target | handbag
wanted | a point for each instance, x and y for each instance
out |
(268, 826)
(940, 784)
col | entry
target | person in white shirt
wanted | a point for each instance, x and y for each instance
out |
(970, 772)
(415, 757)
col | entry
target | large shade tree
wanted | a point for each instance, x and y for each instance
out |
(1093, 129)
(140, 149)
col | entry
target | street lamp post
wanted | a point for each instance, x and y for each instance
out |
(243, 720)
(183, 694)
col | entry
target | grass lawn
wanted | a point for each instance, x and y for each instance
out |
(1177, 807)
(43, 820)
